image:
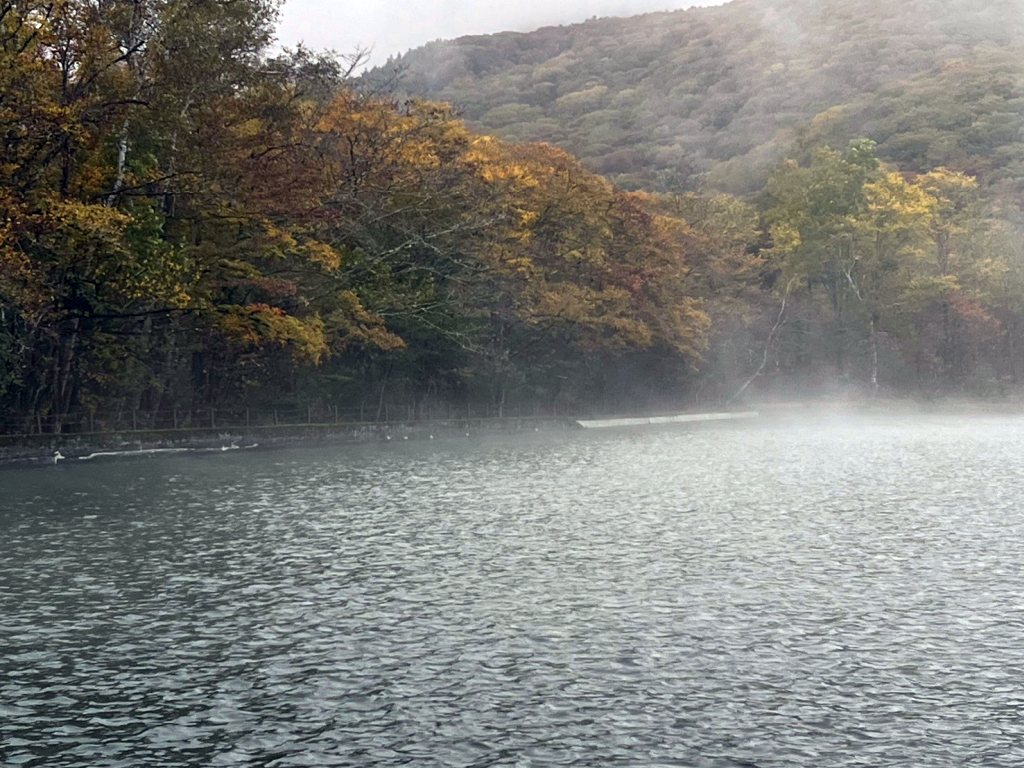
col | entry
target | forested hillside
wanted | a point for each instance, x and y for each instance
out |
(192, 223)
(714, 97)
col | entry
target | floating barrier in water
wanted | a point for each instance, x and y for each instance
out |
(144, 452)
(157, 451)
(683, 418)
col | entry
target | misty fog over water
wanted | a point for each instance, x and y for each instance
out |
(832, 593)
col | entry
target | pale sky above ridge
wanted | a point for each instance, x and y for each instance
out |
(394, 26)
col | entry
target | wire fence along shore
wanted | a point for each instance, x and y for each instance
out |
(85, 423)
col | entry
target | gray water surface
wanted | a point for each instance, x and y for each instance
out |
(839, 594)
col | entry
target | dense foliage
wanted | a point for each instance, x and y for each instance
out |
(717, 96)
(189, 222)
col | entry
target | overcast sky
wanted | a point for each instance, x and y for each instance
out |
(395, 26)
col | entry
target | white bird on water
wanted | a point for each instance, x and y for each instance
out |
(57, 456)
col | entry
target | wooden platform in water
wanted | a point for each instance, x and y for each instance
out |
(683, 418)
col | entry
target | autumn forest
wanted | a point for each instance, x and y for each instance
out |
(193, 218)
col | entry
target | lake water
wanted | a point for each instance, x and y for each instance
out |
(836, 594)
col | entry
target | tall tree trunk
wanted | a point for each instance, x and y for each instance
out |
(383, 391)
(122, 163)
(779, 322)
(947, 341)
(131, 43)
(837, 327)
(1011, 342)
(70, 358)
(874, 354)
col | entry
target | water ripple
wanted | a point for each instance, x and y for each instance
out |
(848, 596)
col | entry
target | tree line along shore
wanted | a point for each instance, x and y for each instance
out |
(192, 221)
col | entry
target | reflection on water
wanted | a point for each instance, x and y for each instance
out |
(840, 596)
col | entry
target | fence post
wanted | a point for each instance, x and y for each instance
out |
(92, 419)
(309, 414)
(335, 413)
(39, 423)
(275, 417)
(174, 417)
(247, 418)
(135, 421)
(213, 418)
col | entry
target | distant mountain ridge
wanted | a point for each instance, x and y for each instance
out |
(717, 95)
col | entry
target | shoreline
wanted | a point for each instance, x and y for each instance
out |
(26, 451)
